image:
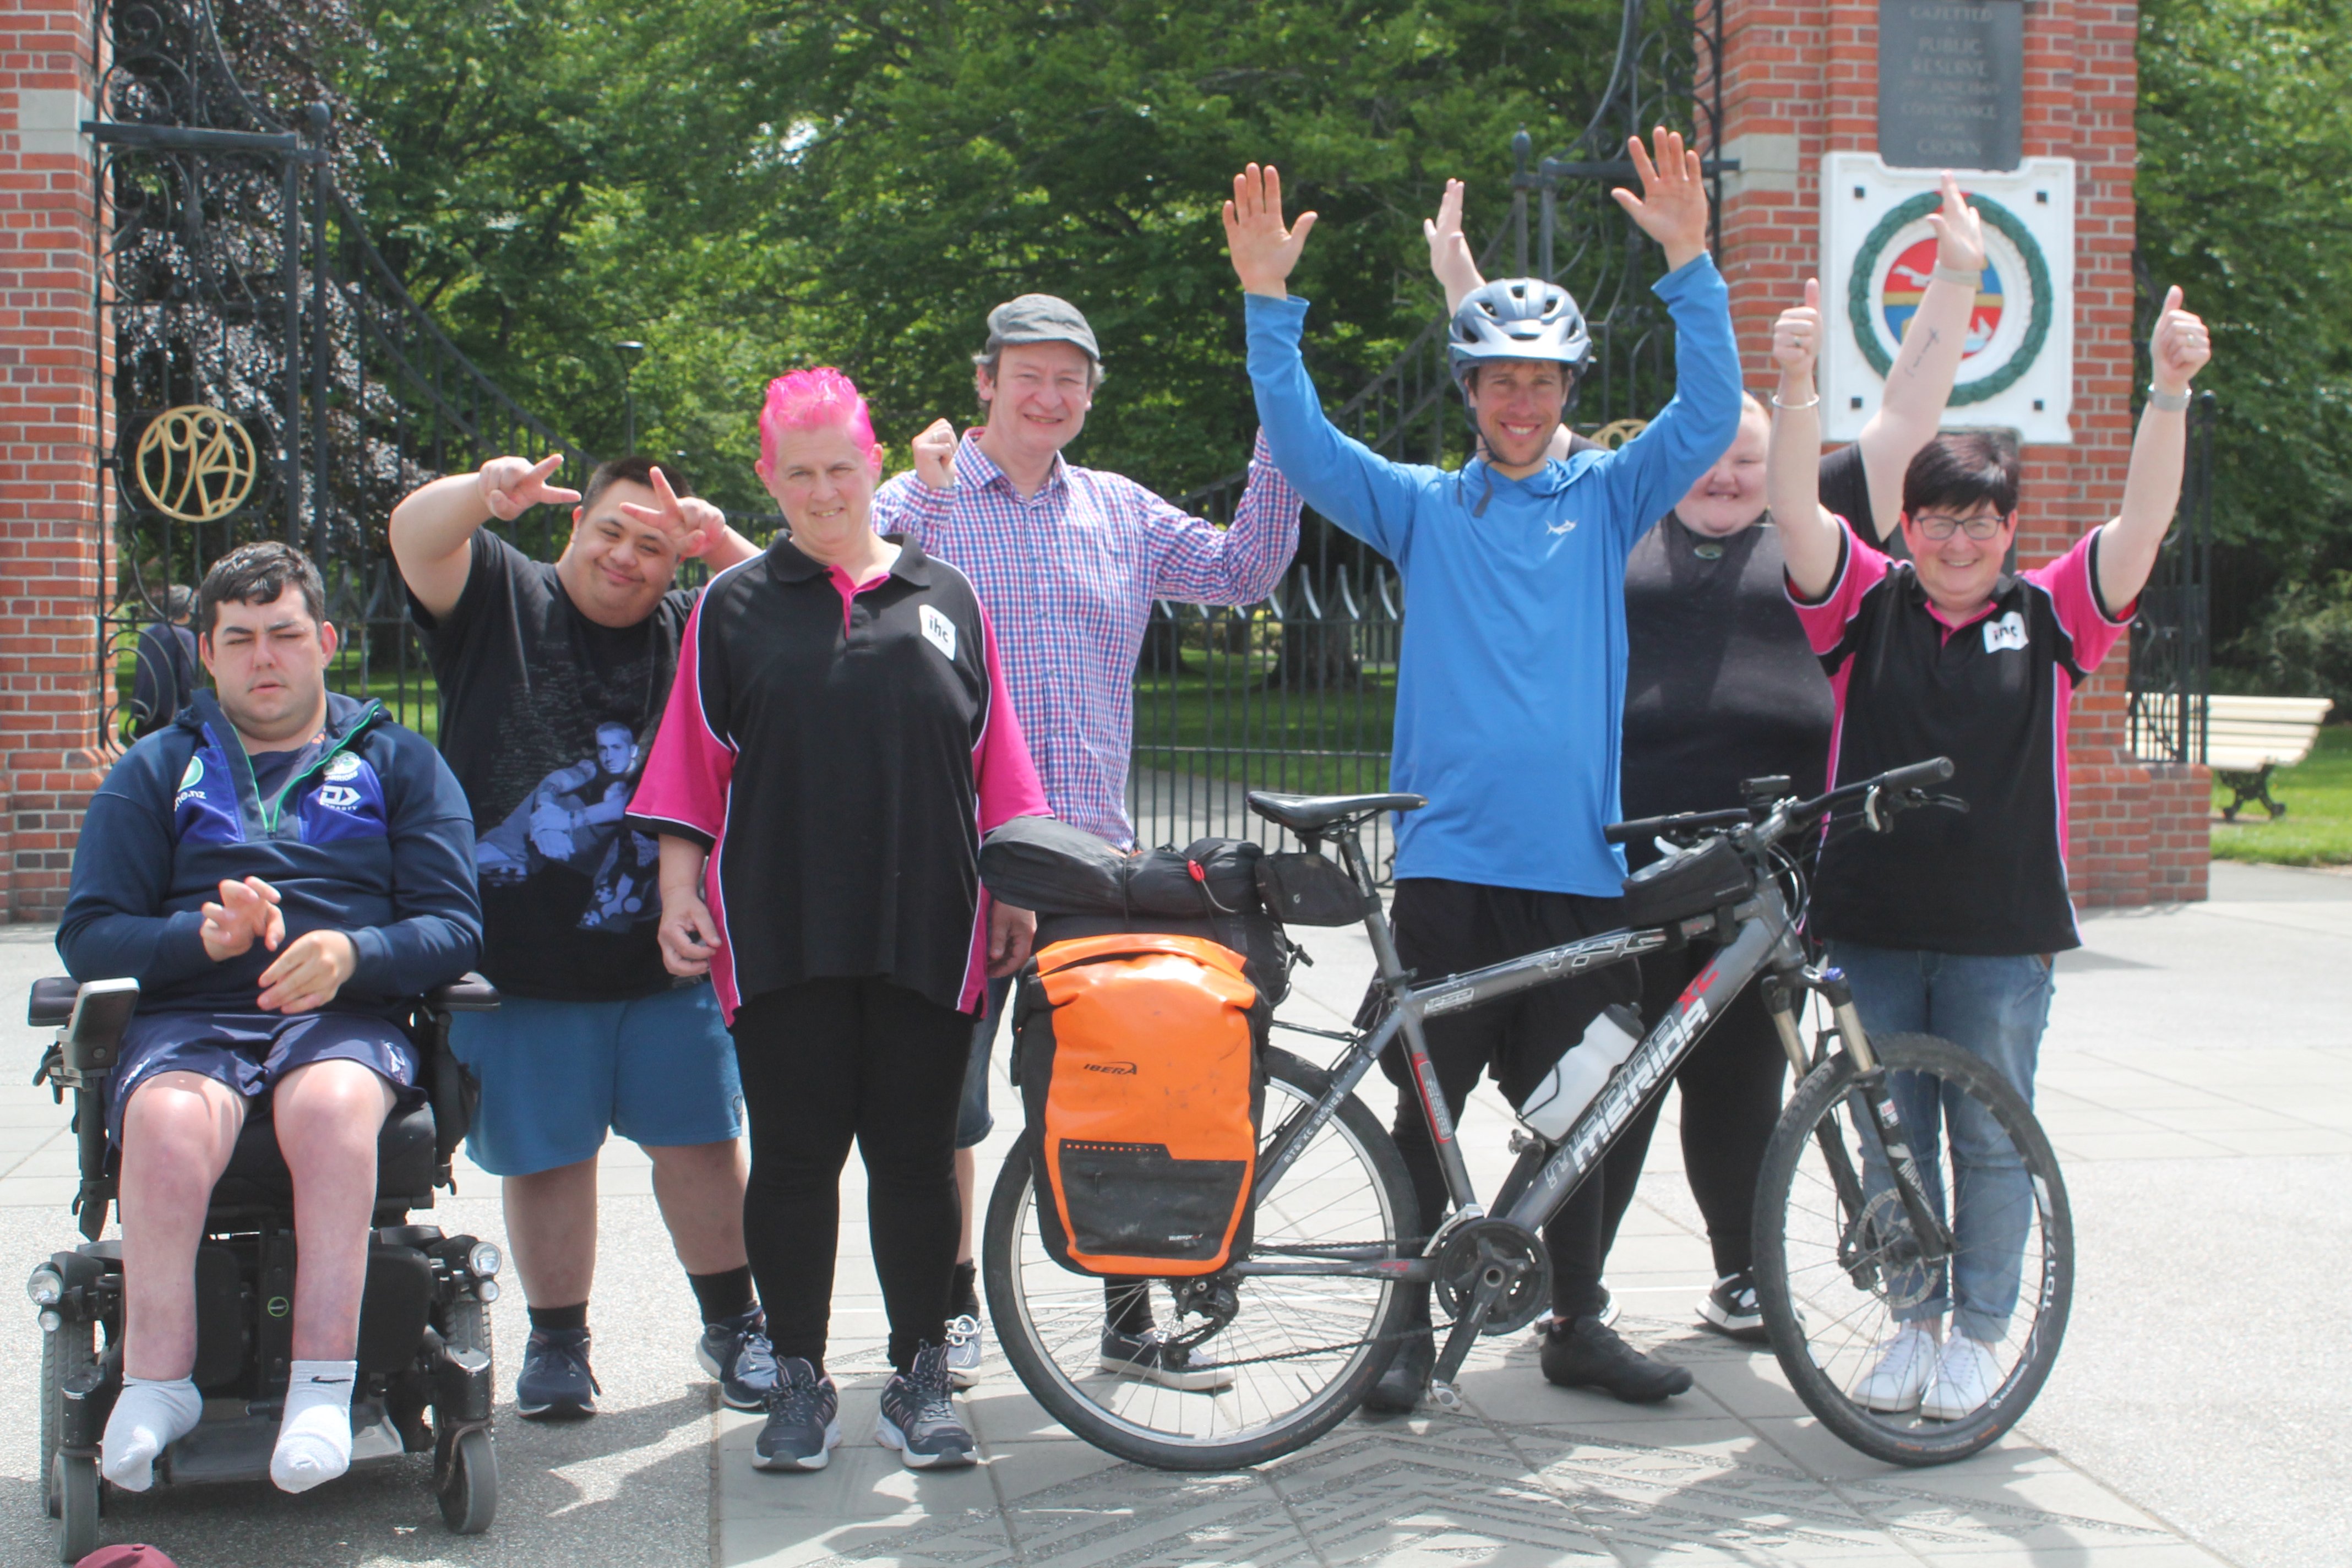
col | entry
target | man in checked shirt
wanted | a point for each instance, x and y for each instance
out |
(1068, 560)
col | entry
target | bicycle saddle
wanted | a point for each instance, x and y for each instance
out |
(1314, 813)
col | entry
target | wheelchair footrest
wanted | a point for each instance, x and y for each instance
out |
(237, 1447)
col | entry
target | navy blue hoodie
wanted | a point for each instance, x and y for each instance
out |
(369, 835)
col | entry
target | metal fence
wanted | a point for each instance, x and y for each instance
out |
(2172, 637)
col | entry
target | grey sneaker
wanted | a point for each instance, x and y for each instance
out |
(1148, 1357)
(918, 1418)
(555, 1383)
(964, 1350)
(803, 1420)
(738, 1354)
(1731, 1310)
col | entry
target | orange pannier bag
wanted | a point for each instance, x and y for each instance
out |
(1140, 1073)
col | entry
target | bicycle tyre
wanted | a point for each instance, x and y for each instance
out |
(1794, 1163)
(1111, 1412)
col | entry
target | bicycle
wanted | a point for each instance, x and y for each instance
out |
(1851, 1241)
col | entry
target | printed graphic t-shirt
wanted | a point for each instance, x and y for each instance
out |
(546, 718)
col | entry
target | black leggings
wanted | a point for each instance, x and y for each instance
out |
(824, 1062)
(1731, 1099)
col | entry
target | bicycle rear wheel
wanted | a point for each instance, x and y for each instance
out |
(1298, 1355)
(1838, 1269)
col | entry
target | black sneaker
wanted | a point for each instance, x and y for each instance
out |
(1149, 1358)
(1731, 1309)
(1586, 1354)
(738, 1354)
(1400, 1388)
(803, 1420)
(1608, 1311)
(556, 1383)
(918, 1418)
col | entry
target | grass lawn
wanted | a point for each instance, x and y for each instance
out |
(2317, 828)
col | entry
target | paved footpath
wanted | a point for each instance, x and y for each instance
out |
(2197, 1081)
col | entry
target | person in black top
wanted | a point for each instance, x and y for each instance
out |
(838, 740)
(551, 681)
(165, 676)
(1722, 686)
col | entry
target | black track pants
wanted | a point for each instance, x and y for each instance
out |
(1443, 928)
(1731, 1099)
(824, 1063)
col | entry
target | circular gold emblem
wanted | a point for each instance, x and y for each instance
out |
(195, 464)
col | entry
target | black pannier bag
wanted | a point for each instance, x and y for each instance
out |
(1308, 890)
(1688, 883)
(1080, 887)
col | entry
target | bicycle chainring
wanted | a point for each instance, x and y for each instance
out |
(1496, 1250)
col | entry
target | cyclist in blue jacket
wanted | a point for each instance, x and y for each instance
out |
(1511, 680)
(282, 870)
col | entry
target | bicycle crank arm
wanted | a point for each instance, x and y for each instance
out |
(1458, 1340)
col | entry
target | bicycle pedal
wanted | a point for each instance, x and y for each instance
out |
(1444, 1396)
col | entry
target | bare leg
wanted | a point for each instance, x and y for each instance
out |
(700, 1187)
(967, 1178)
(178, 1133)
(551, 1232)
(328, 1115)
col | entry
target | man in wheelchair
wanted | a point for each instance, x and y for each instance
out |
(283, 872)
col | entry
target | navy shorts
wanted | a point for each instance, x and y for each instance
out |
(556, 1076)
(973, 1123)
(251, 1052)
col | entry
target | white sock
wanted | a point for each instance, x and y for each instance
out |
(150, 1415)
(314, 1440)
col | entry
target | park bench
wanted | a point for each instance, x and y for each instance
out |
(2247, 737)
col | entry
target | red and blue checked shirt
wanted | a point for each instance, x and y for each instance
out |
(1069, 575)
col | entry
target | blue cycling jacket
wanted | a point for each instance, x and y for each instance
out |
(1511, 682)
(369, 834)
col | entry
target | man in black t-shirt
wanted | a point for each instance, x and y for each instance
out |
(552, 680)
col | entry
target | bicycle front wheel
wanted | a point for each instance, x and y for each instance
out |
(1868, 1321)
(1301, 1353)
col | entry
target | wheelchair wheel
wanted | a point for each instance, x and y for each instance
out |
(470, 1496)
(1839, 1277)
(73, 1493)
(65, 1350)
(1296, 1357)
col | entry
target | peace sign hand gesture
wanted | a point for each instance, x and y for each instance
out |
(690, 523)
(1264, 251)
(512, 486)
(1959, 231)
(1671, 207)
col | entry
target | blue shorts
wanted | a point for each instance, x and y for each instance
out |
(251, 1052)
(973, 1123)
(659, 1071)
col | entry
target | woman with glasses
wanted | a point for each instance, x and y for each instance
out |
(1949, 924)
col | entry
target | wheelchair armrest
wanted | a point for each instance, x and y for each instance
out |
(52, 1002)
(469, 994)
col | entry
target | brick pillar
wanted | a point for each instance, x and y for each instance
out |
(55, 558)
(1800, 79)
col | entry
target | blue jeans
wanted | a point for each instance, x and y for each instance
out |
(1995, 1009)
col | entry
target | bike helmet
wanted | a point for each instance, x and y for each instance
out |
(1518, 318)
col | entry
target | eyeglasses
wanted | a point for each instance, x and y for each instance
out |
(1937, 527)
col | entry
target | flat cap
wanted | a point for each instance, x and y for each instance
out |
(1040, 319)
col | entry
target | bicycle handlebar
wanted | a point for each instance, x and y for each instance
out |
(1896, 783)
(1642, 827)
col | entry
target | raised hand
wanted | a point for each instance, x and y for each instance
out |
(1797, 336)
(512, 486)
(1449, 251)
(308, 972)
(2181, 346)
(690, 523)
(247, 912)
(1264, 251)
(1671, 207)
(1959, 231)
(934, 452)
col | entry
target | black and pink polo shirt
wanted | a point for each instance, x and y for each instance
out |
(841, 747)
(1990, 693)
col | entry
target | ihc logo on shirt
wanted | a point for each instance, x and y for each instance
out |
(938, 629)
(2008, 631)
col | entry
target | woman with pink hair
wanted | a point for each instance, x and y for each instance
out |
(836, 743)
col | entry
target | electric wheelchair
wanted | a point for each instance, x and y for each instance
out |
(425, 1370)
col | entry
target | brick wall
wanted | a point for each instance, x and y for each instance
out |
(1799, 80)
(54, 557)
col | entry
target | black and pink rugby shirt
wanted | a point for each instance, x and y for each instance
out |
(841, 747)
(1992, 694)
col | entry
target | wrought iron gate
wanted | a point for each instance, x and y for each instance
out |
(2172, 637)
(1298, 693)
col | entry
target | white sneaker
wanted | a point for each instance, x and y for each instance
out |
(1906, 1362)
(964, 1351)
(1966, 1375)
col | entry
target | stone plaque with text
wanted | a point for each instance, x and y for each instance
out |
(1951, 83)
